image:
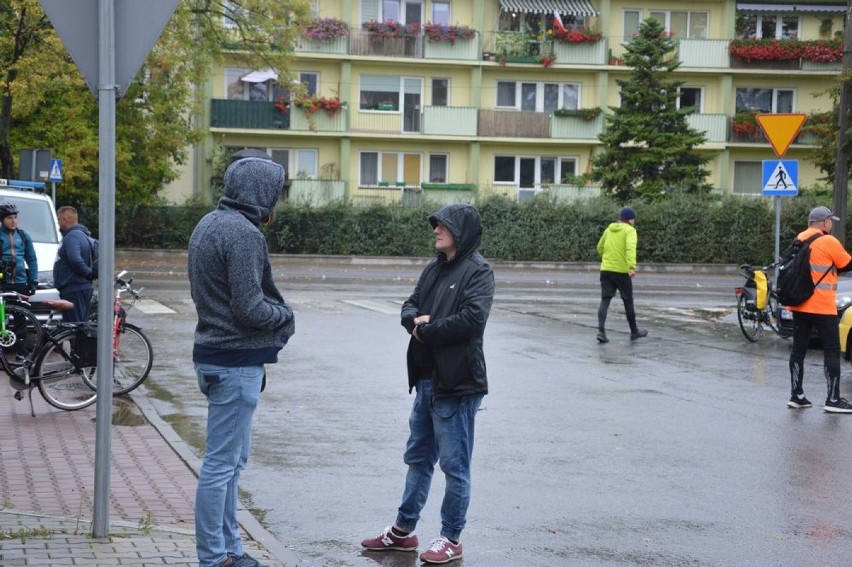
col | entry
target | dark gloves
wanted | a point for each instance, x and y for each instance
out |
(31, 289)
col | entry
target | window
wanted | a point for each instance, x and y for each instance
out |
(232, 12)
(632, 19)
(379, 93)
(692, 25)
(390, 168)
(403, 11)
(538, 97)
(440, 92)
(691, 97)
(304, 161)
(767, 26)
(310, 81)
(438, 168)
(534, 171)
(748, 178)
(765, 100)
(504, 169)
(441, 13)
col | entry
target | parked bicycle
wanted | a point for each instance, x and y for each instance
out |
(757, 304)
(55, 362)
(62, 363)
(133, 355)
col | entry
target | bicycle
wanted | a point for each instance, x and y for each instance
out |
(65, 377)
(757, 303)
(133, 355)
(63, 362)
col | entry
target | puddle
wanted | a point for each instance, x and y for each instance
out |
(125, 412)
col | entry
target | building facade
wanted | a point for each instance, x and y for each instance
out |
(447, 100)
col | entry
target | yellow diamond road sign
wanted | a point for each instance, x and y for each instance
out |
(781, 129)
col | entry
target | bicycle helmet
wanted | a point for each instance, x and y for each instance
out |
(7, 209)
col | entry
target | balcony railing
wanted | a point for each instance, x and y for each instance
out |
(514, 124)
(449, 120)
(575, 127)
(316, 191)
(362, 42)
(712, 53)
(247, 114)
(714, 126)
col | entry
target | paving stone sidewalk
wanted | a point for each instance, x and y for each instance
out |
(47, 490)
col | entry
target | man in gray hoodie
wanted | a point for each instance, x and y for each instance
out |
(243, 321)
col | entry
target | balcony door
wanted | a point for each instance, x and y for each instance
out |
(412, 89)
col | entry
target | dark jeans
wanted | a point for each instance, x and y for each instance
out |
(610, 283)
(81, 299)
(829, 335)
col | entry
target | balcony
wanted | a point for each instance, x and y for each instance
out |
(714, 126)
(247, 115)
(362, 42)
(576, 127)
(319, 121)
(706, 53)
(450, 120)
(513, 124)
(316, 191)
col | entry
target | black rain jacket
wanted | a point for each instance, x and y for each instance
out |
(457, 296)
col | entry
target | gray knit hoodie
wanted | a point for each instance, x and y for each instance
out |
(242, 318)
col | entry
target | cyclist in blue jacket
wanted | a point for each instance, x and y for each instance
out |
(20, 266)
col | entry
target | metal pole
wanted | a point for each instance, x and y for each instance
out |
(841, 167)
(53, 192)
(107, 96)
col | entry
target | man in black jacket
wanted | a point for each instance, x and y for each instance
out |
(446, 316)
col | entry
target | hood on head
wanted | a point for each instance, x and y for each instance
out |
(254, 184)
(464, 223)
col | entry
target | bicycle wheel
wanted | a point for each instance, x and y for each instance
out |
(132, 358)
(749, 320)
(62, 381)
(771, 313)
(28, 334)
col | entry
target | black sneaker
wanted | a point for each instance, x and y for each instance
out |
(246, 560)
(799, 403)
(638, 334)
(837, 406)
(602, 337)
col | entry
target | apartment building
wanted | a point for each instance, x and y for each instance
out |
(403, 100)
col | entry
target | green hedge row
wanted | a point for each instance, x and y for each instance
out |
(682, 229)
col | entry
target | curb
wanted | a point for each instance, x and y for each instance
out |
(248, 522)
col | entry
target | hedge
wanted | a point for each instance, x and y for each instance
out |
(682, 229)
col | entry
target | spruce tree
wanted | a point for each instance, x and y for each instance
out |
(649, 148)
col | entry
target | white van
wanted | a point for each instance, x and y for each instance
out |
(37, 217)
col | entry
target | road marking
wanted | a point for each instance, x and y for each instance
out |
(373, 306)
(152, 307)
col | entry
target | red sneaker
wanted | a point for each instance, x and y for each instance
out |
(442, 550)
(387, 540)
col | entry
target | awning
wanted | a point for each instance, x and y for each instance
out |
(819, 8)
(260, 76)
(574, 7)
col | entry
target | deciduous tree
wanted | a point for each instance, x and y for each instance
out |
(44, 101)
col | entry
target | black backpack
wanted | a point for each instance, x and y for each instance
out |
(795, 285)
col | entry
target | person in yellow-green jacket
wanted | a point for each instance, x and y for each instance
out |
(617, 249)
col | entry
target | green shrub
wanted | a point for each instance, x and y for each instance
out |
(680, 229)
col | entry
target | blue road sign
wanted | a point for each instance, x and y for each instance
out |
(780, 178)
(55, 175)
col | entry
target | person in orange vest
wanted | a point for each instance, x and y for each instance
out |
(819, 312)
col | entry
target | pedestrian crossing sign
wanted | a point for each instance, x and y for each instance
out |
(55, 175)
(780, 178)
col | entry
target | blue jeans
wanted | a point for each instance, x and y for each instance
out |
(441, 431)
(232, 395)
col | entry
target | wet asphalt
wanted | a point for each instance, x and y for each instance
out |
(677, 449)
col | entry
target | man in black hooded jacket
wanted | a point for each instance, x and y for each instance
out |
(446, 316)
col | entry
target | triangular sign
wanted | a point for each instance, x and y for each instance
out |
(136, 26)
(781, 129)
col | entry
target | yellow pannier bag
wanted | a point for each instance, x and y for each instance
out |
(762, 288)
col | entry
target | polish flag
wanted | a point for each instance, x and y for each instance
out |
(557, 22)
